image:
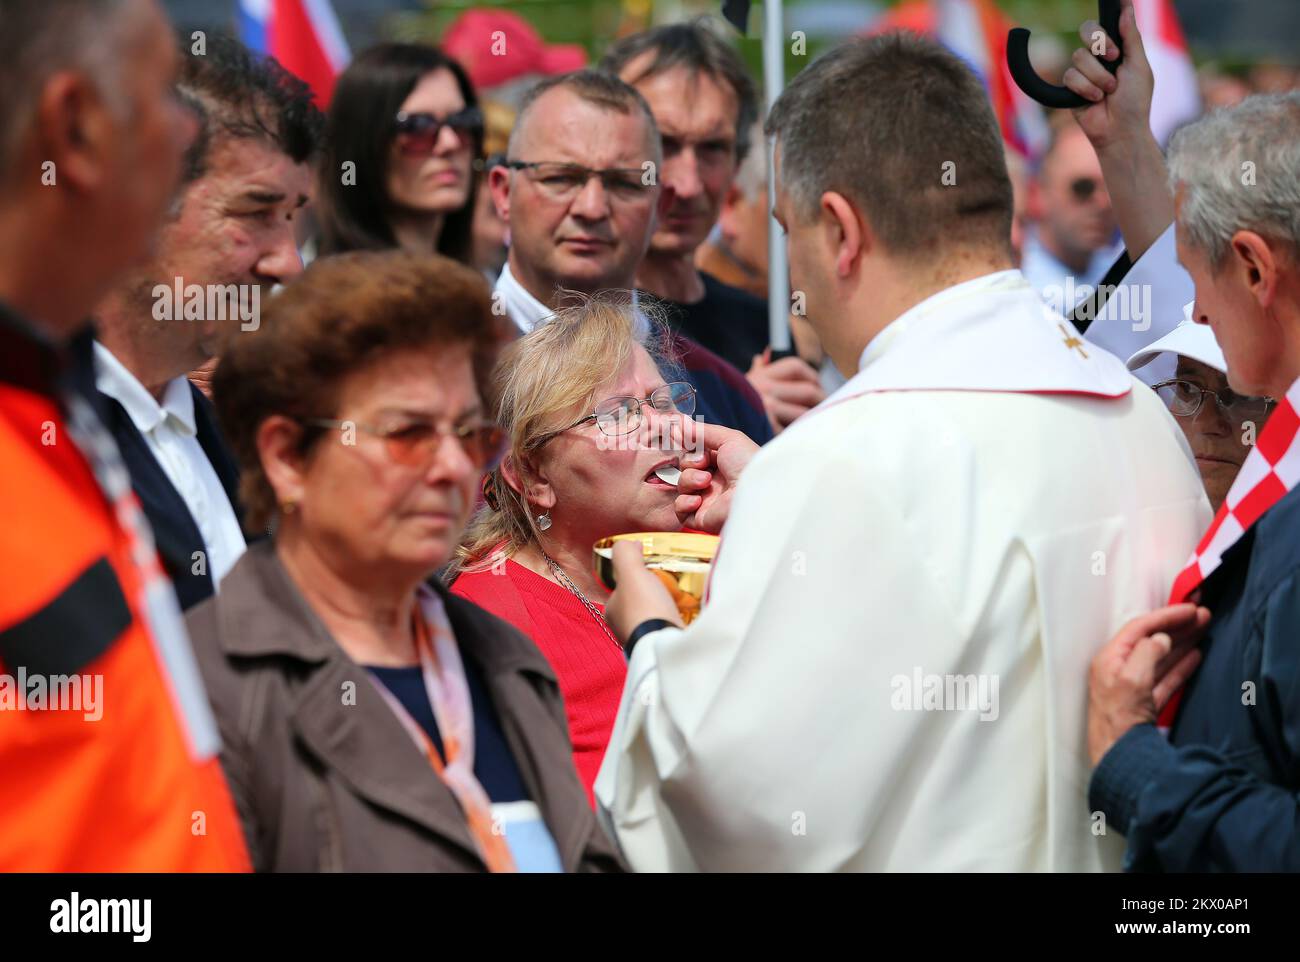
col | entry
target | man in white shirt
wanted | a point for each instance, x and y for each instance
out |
(229, 240)
(1074, 239)
(580, 189)
(890, 668)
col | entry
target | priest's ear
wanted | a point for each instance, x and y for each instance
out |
(526, 477)
(846, 233)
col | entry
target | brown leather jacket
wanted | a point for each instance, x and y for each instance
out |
(323, 784)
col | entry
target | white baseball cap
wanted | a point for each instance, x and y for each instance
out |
(1188, 339)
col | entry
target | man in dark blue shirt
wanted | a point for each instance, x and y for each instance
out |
(1221, 792)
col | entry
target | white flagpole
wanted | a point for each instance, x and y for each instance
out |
(778, 279)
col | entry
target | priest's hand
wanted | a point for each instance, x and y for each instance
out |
(639, 594)
(1136, 673)
(1117, 122)
(709, 475)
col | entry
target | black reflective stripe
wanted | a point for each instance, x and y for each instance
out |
(29, 359)
(1086, 311)
(72, 630)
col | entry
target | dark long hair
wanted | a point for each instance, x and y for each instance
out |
(359, 128)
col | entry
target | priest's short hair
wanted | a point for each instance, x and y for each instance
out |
(903, 129)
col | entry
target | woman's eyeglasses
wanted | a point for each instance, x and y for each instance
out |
(1184, 399)
(617, 416)
(416, 444)
(563, 182)
(417, 133)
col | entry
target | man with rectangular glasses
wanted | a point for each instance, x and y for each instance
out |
(705, 105)
(580, 190)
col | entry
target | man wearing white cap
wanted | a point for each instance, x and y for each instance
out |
(1221, 426)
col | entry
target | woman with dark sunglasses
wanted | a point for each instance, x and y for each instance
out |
(404, 131)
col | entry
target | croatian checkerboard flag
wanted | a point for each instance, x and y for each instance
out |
(303, 35)
(1271, 470)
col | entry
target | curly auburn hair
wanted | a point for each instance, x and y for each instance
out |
(341, 316)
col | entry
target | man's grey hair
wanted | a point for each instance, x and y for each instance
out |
(39, 38)
(1239, 169)
(594, 87)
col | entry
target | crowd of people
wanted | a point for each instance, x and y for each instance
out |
(325, 532)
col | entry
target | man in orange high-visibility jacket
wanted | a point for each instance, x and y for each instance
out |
(107, 742)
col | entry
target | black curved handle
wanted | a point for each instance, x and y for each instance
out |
(1050, 95)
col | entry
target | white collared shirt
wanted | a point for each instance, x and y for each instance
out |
(170, 431)
(983, 284)
(1057, 283)
(527, 311)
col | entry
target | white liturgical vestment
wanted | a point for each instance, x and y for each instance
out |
(890, 669)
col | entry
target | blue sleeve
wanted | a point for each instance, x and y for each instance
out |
(1190, 809)
(756, 424)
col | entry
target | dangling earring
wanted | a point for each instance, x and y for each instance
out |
(543, 521)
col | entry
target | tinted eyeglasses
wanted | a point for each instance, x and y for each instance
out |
(415, 444)
(1184, 399)
(1083, 188)
(617, 416)
(562, 182)
(417, 133)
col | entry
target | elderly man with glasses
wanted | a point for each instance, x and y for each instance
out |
(580, 190)
(1203, 776)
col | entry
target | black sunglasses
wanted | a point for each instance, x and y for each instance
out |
(1083, 188)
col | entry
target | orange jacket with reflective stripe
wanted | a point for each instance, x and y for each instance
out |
(98, 774)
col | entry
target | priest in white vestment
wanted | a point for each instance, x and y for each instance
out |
(890, 669)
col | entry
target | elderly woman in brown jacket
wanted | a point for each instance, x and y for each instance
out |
(370, 720)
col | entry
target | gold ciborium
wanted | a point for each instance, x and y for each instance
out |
(681, 560)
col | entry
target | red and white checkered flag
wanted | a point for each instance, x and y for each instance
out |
(1271, 470)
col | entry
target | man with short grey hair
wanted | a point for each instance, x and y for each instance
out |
(581, 196)
(569, 233)
(888, 672)
(705, 105)
(1220, 793)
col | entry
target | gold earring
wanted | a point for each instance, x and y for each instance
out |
(287, 507)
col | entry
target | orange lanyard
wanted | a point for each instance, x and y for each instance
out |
(456, 771)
